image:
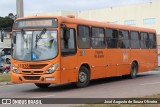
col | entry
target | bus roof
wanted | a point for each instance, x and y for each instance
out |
(93, 23)
(105, 24)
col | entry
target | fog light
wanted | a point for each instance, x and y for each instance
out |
(50, 78)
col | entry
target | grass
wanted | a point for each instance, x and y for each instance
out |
(5, 78)
(153, 96)
(124, 105)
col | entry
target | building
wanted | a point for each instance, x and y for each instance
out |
(145, 15)
(56, 13)
(7, 41)
(141, 15)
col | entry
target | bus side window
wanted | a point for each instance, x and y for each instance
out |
(124, 39)
(144, 40)
(68, 42)
(135, 43)
(152, 41)
(98, 39)
(84, 37)
(111, 38)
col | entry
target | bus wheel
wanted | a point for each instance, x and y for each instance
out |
(42, 85)
(83, 78)
(134, 70)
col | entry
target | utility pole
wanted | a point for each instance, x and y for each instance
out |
(20, 9)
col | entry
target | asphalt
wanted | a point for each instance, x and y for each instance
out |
(117, 87)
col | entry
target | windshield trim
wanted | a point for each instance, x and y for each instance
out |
(32, 48)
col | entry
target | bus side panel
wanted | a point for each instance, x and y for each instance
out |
(156, 58)
(84, 57)
(145, 57)
(69, 72)
(142, 57)
(153, 58)
(120, 61)
(136, 56)
(112, 61)
(98, 63)
(124, 62)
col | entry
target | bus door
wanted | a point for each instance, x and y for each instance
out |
(68, 54)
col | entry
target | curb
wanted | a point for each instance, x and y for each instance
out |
(6, 83)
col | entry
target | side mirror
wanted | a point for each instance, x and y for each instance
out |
(2, 36)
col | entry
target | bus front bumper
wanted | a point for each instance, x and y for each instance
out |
(44, 78)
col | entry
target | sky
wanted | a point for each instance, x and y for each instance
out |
(39, 6)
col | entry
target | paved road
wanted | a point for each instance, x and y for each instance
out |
(117, 87)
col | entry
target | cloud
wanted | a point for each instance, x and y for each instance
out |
(7, 6)
(36, 6)
(75, 5)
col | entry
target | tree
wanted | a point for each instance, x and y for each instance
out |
(11, 15)
(6, 23)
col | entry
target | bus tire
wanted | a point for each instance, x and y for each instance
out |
(134, 70)
(39, 85)
(83, 78)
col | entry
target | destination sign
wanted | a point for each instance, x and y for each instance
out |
(30, 23)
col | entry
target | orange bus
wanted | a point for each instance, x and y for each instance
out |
(58, 50)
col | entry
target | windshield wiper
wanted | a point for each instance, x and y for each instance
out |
(38, 37)
(23, 33)
(25, 39)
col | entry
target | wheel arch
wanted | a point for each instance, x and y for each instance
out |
(87, 66)
(85, 83)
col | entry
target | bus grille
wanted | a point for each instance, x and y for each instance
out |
(31, 77)
(37, 66)
(33, 72)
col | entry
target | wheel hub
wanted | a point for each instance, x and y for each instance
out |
(82, 77)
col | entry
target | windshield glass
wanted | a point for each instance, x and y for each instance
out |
(34, 45)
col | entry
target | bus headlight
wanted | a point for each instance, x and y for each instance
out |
(15, 70)
(52, 69)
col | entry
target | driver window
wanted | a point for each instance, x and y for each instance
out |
(68, 45)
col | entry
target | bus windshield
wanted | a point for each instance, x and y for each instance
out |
(34, 45)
